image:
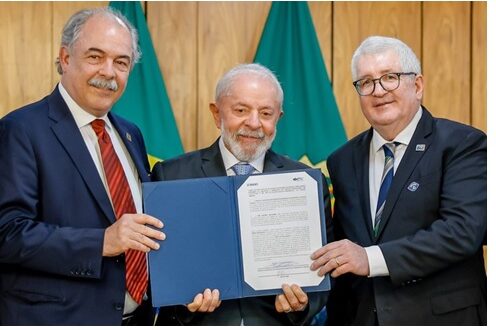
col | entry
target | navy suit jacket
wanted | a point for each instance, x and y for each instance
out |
(254, 311)
(53, 213)
(431, 234)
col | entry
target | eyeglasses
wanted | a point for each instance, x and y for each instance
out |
(389, 82)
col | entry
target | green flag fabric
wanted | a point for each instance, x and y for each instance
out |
(145, 101)
(311, 127)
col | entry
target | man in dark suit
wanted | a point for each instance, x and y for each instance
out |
(410, 212)
(72, 248)
(247, 108)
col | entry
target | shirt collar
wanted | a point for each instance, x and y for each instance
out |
(403, 137)
(81, 117)
(230, 160)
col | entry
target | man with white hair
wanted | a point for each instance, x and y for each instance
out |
(247, 107)
(72, 240)
(410, 211)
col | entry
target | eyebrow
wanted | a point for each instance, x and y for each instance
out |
(98, 50)
(381, 73)
(245, 105)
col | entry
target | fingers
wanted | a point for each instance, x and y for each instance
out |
(143, 243)
(321, 251)
(149, 232)
(140, 235)
(293, 299)
(133, 231)
(282, 304)
(326, 262)
(206, 302)
(145, 219)
(339, 258)
(193, 307)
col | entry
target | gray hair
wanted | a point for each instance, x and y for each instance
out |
(73, 27)
(225, 83)
(377, 45)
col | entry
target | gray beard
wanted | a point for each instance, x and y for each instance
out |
(243, 154)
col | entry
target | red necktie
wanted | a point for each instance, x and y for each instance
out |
(136, 273)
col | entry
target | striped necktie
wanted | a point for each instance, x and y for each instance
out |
(243, 169)
(122, 200)
(387, 179)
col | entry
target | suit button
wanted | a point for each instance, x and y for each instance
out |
(118, 306)
(374, 310)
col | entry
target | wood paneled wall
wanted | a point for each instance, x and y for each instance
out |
(198, 41)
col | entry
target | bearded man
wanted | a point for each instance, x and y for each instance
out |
(248, 105)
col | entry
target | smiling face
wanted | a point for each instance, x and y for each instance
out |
(96, 68)
(389, 112)
(247, 116)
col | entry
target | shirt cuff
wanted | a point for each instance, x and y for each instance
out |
(377, 263)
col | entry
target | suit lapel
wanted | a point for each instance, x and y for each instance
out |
(68, 135)
(272, 163)
(212, 163)
(361, 156)
(408, 163)
(130, 141)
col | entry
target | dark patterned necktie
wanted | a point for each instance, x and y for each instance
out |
(387, 179)
(243, 169)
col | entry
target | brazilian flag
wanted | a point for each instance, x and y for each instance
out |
(145, 101)
(311, 127)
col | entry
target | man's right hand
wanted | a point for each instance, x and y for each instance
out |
(207, 301)
(131, 232)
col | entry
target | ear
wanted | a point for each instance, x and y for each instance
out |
(64, 57)
(216, 113)
(419, 86)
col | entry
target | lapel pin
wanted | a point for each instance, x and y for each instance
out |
(420, 147)
(128, 137)
(413, 186)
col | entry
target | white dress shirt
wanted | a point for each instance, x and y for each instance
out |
(230, 160)
(377, 264)
(83, 121)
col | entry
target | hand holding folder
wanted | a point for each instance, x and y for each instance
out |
(226, 233)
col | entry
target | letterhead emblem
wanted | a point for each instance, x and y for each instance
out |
(413, 186)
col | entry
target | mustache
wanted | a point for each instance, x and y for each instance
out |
(101, 83)
(259, 134)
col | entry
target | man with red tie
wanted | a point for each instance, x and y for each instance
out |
(73, 241)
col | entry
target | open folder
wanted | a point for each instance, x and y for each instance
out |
(243, 235)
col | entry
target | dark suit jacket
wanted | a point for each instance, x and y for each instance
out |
(254, 311)
(431, 237)
(53, 213)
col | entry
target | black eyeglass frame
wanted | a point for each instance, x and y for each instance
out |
(399, 74)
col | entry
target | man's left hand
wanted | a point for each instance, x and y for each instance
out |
(339, 258)
(293, 299)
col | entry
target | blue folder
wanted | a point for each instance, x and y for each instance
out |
(202, 249)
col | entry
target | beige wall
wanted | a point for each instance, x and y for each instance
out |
(197, 41)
